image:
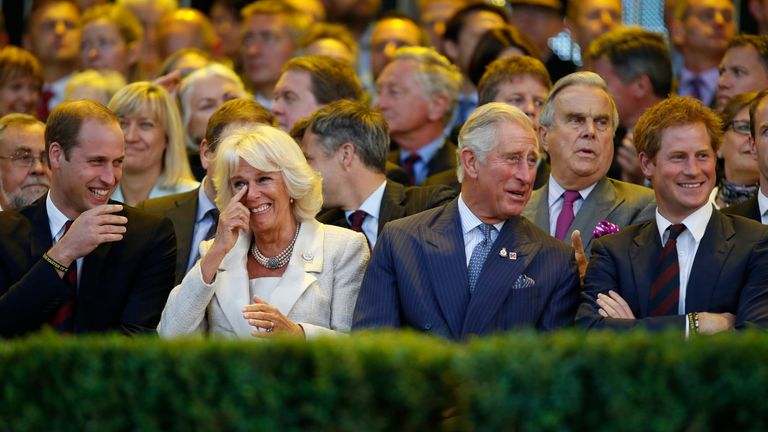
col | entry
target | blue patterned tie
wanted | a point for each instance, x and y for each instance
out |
(479, 254)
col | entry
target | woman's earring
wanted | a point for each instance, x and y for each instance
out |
(290, 200)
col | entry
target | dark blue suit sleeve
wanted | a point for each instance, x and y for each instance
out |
(607, 271)
(377, 303)
(561, 307)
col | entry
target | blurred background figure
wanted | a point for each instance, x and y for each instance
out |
(98, 86)
(186, 28)
(185, 61)
(226, 19)
(155, 159)
(434, 14)
(21, 81)
(497, 43)
(25, 174)
(332, 40)
(53, 36)
(739, 180)
(149, 13)
(111, 41)
(390, 32)
(744, 67)
(586, 20)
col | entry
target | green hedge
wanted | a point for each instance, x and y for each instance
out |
(387, 382)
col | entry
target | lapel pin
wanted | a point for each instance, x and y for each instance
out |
(503, 252)
(513, 255)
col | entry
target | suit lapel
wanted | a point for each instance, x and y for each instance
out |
(40, 239)
(443, 242)
(710, 258)
(391, 203)
(306, 261)
(498, 276)
(185, 215)
(232, 287)
(643, 253)
(598, 205)
(537, 209)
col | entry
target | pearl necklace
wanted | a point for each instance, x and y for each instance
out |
(279, 260)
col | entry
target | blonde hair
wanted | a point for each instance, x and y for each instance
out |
(268, 149)
(141, 95)
(106, 82)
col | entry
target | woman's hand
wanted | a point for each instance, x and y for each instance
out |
(262, 315)
(233, 219)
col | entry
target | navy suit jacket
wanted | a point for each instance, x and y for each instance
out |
(181, 209)
(418, 278)
(123, 285)
(748, 209)
(729, 274)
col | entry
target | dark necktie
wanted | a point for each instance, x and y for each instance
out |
(479, 254)
(566, 216)
(214, 215)
(356, 219)
(696, 86)
(42, 104)
(665, 289)
(64, 320)
(409, 169)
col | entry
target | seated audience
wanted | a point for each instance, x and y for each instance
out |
(111, 41)
(347, 143)
(498, 43)
(740, 175)
(75, 260)
(149, 13)
(474, 266)
(21, 81)
(690, 268)
(271, 269)
(25, 174)
(98, 86)
(186, 28)
(744, 67)
(332, 40)
(194, 214)
(155, 160)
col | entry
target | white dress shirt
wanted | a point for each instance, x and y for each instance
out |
(372, 206)
(762, 203)
(56, 222)
(470, 229)
(555, 200)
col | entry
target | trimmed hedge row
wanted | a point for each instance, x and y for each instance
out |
(387, 381)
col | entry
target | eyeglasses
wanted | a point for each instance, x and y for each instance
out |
(741, 127)
(26, 160)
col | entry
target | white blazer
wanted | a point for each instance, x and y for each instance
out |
(318, 289)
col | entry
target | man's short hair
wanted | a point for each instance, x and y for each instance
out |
(397, 15)
(40, 5)
(507, 68)
(435, 74)
(459, 19)
(492, 43)
(675, 111)
(337, 32)
(589, 79)
(233, 112)
(18, 121)
(479, 132)
(66, 120)
(753, 110)
(758, 42)
(330, 79)
(297, 22)
(633, 51)
(347, 121)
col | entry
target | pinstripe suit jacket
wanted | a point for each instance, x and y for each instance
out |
(418, 278)
(612, 200)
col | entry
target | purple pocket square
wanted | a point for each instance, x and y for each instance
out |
(604, 228)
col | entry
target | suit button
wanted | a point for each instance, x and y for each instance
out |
(427, 326)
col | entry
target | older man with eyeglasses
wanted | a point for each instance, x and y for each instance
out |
(24, 171)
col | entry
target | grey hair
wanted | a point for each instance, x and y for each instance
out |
(435, 74)
(589, 79)
(268, 149)
(479, 132)
(188, 85)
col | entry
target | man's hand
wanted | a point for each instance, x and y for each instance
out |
(711, 323)
(613, 306)
(629, 162)
(581, 256)
(92, 228)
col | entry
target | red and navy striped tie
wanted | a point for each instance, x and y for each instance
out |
(665, 289)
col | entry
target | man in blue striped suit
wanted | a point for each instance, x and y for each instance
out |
(474, 266)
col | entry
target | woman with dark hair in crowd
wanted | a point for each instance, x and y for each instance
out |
(497, 43)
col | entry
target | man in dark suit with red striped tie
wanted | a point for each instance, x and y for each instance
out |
(73, 259)
(691, 268)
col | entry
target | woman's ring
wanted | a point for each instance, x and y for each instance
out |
(269, 330)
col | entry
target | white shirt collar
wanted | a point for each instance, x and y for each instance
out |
(762, 202)
(468, 219)
(56, 219)
(556, 191)
(372, 204)
(695, 223)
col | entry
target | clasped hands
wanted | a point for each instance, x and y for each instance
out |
(268, 321)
